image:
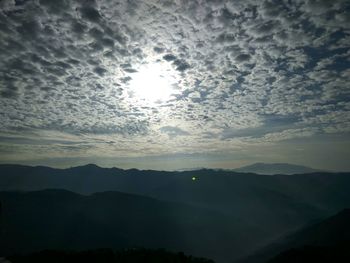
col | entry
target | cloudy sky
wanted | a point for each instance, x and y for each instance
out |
(169, 84)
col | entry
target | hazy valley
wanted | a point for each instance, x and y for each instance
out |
(223, 215)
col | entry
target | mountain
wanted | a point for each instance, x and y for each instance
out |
(319, 254)
(107, 256)
(271, 205)
(276, 168)
(82, 179)
(58, 219)
(332, 234)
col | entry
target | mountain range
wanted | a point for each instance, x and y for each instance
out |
(223, 215)
(58, 219)
(276, 168)
(266, 169)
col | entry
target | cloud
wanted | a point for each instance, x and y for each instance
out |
(181, 65)
(242, 58)
(169, 57)
(235, 68)
(90, 13)
(100, 71)
(173, 131)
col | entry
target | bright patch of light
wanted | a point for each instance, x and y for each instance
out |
(153, 83)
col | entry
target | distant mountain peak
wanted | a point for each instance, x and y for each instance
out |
(276, 168)
(84, 167)
(89, 165)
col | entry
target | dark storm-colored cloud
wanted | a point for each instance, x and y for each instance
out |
(90, 13)
(29, 29)
(169, 57)
(243, 57)
(158, 50)
(10, 92)
(181, 65)
(100, 71)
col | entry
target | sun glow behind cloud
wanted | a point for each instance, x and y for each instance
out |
(144, 78)
(153, 83)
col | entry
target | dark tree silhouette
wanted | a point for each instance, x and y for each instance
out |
(319, 254)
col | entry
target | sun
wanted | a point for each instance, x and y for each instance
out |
(153, 83)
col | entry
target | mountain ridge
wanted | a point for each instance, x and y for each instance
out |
(331, 231)
(277, 168)
(60, 219)
(272, 205)
(259, 166)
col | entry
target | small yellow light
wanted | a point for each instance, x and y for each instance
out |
(194, 178)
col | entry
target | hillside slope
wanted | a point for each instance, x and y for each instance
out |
(332, 234)
(58, 219)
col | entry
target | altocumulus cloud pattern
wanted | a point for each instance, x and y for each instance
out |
(241, 74)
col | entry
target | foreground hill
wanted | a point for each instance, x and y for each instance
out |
(58, 219)
(319, 254)
(107, 256)
(320, 241)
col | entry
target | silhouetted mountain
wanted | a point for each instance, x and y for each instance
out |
(319, 254)
(276, 168)
(58, 219)
(108, 256)
(272, 205)
(331, 234)
(82, 179)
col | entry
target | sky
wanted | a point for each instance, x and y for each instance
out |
(160, 84)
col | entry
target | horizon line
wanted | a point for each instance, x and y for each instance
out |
(173, 170)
